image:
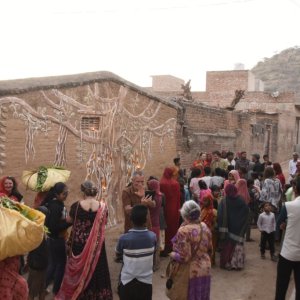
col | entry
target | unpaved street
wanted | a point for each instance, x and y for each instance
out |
(256, 281)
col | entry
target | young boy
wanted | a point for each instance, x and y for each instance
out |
(137, 248)
(267, 226)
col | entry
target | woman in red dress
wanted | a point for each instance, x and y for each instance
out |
(171, 188)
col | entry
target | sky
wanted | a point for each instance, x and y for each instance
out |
(136, 39)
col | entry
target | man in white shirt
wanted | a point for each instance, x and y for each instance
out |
(267, 225)
(289, 258)
(292, 165)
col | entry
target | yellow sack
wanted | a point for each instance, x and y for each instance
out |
(29, 179)
(19, 235)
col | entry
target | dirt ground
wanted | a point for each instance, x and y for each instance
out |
(256, 281)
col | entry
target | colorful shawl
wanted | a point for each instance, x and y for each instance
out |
(236, 177)
(242, 190)
(207, 213)
(79, 269)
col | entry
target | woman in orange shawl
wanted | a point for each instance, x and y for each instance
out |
(209, 217)
(171, 189)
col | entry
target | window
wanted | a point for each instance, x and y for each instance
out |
(90, 123)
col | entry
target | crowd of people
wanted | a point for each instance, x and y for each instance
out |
(186, 215)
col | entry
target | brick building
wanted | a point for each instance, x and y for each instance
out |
(236, 113)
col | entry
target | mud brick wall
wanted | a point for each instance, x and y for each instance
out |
(41, 124)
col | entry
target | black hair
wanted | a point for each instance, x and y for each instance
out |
(202, 185)
(152, 177)
(250, 182)
(265, 155)
(254, 175)
(218, 172)
(243, 170)
(138, 215)
(217, 152)
(176, 160)
(215, 188)
(230, 168)
(57, 189)
(229, 153)
(195, 172)
(207, 170)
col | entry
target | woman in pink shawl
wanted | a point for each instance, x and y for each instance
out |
(242, 190)
(233, 177)
(86, 275)
(171, 188)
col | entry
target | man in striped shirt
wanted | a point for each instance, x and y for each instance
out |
(136, 248)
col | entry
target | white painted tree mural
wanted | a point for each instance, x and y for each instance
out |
(120, 143)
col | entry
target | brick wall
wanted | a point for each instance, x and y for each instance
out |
(136, 130)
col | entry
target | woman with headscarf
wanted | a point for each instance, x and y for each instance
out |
(191, 252)
(233, 214)
(171, 189)
(204, 191)
(233, 177)
(209, 217)
(242, 190)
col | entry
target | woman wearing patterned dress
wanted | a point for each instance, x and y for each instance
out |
(192, 245)
(87, 274)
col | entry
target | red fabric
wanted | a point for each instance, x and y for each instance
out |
(12, 285)
(80, 268)
(207, 213)
(153, 185)
(39, 198)
(281, 179)
(199, 164)
(242, 190)
(203, 194)
(171, 188)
